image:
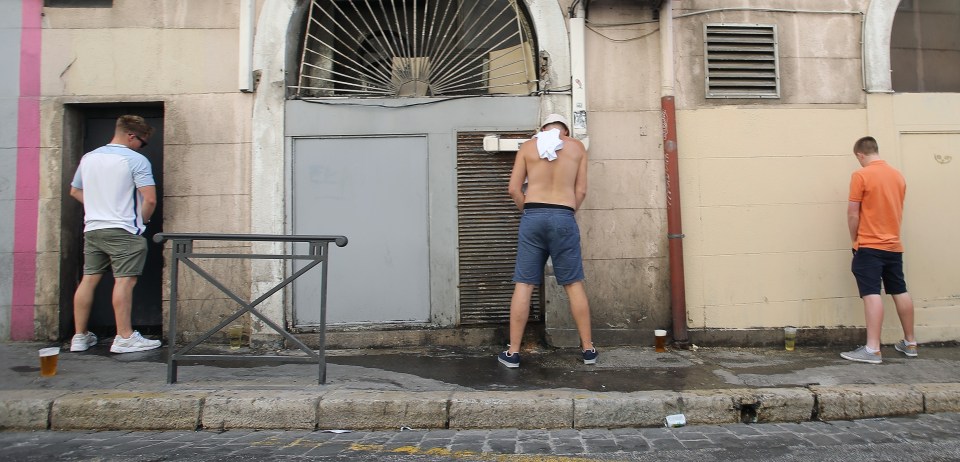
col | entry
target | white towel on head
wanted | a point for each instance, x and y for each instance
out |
(548, 143)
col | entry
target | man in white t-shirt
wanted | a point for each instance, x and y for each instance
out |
(116, 187)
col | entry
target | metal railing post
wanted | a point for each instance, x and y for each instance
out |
(182, 249)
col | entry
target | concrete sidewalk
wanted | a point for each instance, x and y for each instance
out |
(461, 389)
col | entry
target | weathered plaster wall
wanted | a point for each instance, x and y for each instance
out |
(623, 219)
(184, 54)
(819, 49)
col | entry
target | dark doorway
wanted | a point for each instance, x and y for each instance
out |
(87, 127)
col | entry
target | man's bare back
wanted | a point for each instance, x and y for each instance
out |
(562, 181)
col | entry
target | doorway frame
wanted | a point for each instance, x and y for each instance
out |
(275, 50)
(71, 216)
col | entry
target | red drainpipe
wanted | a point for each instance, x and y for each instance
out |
(678, 301)
(668, 114)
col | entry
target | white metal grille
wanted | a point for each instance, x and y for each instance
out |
(741, 61)
(392, 48)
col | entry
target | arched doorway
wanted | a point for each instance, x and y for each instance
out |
(418, 104)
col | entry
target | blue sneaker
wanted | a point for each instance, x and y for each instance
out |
(590, 356)
(509, 360)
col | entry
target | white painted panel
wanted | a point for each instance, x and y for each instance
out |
(374, 191)
(931, 166)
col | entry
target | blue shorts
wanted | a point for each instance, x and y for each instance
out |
(870, 266)
(548, 232)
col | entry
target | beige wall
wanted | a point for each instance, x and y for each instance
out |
(919, 134)
(183, 53)
(764, 212)
(763, 182)
(764, 194)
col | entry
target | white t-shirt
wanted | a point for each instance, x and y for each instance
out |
(109, 177)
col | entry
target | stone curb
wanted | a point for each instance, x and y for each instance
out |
(369, 410)
(126, 410)
(27, 409)
(848, 402)
(223, 410)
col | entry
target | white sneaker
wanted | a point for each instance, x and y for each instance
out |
(136, 342)
(83, 342)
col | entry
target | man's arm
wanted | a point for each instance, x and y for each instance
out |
(580, 186)
(149, 201)
(517, 176)
(853, 220)
(76, 194)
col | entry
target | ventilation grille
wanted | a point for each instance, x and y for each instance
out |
(741, 61)
(395, 48)
(487, 227)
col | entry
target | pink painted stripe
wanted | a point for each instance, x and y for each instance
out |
(22, 310)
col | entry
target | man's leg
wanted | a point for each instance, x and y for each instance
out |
(123, 304)
(83, 302)
(905, 311)
(519, 313)
(580, 309)
(873, 312)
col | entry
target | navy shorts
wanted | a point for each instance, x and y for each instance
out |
(548, 232)
(870, 266)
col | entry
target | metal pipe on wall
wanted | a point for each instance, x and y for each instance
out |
(245, 59)
(578, 71)
(668, 114)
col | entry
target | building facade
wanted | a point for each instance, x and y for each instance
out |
(392, 124)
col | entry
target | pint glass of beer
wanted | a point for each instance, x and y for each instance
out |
(48, 361)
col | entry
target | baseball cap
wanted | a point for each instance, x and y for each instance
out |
(556, 118)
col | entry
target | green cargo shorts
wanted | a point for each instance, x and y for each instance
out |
(126, 253)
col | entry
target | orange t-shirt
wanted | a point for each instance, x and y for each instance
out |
(880, 189)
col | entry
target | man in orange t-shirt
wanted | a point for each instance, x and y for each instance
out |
(874, 214)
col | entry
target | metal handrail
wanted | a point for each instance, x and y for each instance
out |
(182, 251)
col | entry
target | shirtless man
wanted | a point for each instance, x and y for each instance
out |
(556, 176)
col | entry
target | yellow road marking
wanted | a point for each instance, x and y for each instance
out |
(414, 451)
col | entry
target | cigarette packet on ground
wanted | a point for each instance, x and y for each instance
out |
(676, 420)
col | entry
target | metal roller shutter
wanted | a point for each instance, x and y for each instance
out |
(487, 228)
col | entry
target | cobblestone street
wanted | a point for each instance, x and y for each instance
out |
(929, 437)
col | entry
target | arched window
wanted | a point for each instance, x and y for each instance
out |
(394, 48)
(925, 46)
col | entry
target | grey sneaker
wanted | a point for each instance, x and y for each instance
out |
(136, 342)
(861, 355)
(83, 342)
(907, 349)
